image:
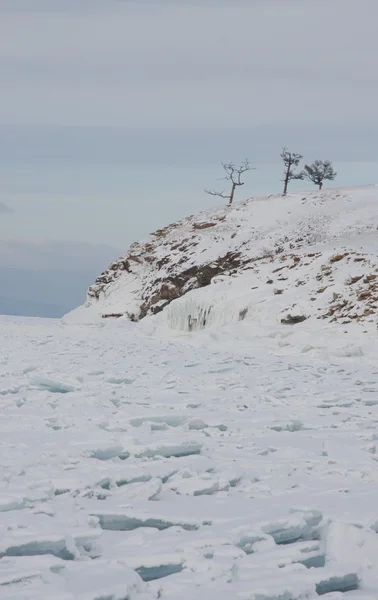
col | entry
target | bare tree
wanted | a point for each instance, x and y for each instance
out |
(291, 160)
(233, 174)
(319, 171)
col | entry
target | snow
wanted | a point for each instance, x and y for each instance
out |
(229, 462)
(210, 451)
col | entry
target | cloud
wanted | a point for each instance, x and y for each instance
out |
(50, 6)
(119, 81)
(174, 64)
(5, 210)
(124, 146)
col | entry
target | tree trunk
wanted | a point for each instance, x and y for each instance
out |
(286, 182)
(232, 193)
(320, 185)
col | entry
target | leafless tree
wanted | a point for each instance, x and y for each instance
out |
(233, 174)
(291, 160)
(319, 171)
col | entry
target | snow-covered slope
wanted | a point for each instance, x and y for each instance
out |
(268, 259)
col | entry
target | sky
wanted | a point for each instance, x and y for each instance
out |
(116, 114)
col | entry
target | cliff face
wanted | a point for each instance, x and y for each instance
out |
(312, 255)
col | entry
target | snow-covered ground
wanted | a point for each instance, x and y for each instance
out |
(232, 463)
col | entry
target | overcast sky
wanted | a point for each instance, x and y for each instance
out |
(115, 114)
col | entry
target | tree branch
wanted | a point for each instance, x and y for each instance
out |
(215, 193)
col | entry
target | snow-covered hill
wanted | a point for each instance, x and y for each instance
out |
(271, 259)
(143, 462)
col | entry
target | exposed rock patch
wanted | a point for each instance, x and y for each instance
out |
(293, 319)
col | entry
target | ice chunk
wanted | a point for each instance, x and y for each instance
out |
(197, 424)
(34, 578)
(164, 570)
(189, 483)
(157, 567)
(24, 544)
(120, 380)
(267, 583)
(11, 503)
(141, 490)
(337, 583)
(175, 450)
(247, 540)
(171, 420)
(312, 517)
(288, 531)
(351, 548)
(110, 452)
(101, 580)
(10, 390)
(54, 386)
(313, 560)
(145, 472)
(123, 521)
